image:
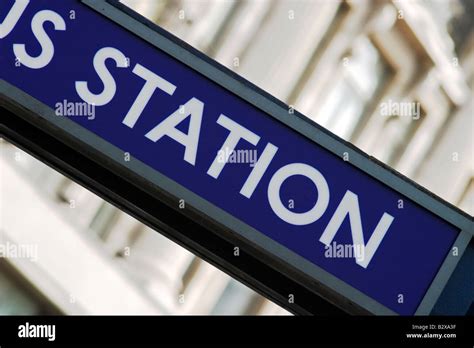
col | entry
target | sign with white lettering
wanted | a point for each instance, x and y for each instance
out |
(227, 149)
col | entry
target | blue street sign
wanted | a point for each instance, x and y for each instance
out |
(230, 151)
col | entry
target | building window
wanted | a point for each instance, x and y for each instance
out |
(396, 134)
(362, 73)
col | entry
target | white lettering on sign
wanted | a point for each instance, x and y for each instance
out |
(105, 76)
(258, 170)
(153, 81)
(237, 132)
(349, 205)
(12, 17)
(47, 47)
(283, 212)
(193, 109)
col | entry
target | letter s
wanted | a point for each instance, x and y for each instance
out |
(47, 47)
(107, 79)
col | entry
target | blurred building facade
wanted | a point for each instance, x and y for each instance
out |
(395, 78)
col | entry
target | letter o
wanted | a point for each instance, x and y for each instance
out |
(274, 194)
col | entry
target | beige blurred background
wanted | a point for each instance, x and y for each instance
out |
(393, 77)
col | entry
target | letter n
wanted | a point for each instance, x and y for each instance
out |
(349, 205)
